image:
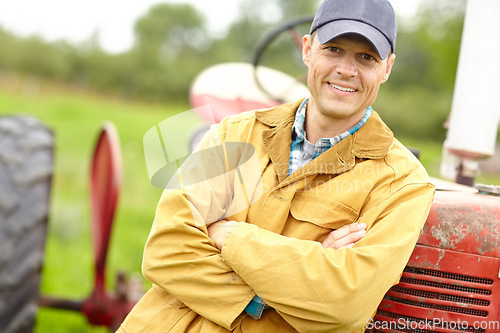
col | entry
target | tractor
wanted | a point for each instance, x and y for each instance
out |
(451, 282)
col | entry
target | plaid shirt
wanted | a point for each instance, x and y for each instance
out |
(301, 152)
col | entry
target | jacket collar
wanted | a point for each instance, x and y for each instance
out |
(278, 115)
(372, 141)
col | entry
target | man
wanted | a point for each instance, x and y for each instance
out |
(314, 232)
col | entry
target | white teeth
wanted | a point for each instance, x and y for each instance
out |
(341, 88)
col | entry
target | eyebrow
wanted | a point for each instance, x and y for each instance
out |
(367, 46)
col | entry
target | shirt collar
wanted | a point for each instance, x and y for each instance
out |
(372, 141)
(299, 133)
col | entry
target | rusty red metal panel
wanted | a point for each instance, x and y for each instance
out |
(464, 222)
(451, 282)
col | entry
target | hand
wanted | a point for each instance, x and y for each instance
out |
(218, 231)
(345, 236)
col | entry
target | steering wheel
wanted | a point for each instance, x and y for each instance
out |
(282, 53)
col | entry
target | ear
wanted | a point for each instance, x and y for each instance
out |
(390, 63)
(306, 49)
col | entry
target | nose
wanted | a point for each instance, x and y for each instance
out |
(346, 66)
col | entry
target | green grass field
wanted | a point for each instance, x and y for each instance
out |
(75, 119)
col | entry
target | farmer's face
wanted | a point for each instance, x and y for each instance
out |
(344, 76)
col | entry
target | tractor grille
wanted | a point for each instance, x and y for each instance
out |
(443, 297)
(435, 284)
(446, 275)
(428, 300)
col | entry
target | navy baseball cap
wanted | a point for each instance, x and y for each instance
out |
(373, 19)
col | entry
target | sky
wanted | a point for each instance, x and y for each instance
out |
(77, 21)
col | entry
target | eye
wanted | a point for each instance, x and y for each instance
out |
(333, 49)
(368, 57)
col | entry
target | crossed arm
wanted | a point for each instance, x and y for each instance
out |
(345, 236)
(326, 283)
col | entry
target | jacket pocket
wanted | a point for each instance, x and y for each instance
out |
(323, 212)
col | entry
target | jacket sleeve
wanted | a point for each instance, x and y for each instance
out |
(325, 290)
(179, 256)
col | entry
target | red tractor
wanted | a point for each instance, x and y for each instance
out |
(451, 282)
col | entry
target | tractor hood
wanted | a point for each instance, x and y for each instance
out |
(463, 220)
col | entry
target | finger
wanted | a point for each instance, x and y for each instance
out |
(348, 240)
(347, 229)
(344, 236)
(338, 243)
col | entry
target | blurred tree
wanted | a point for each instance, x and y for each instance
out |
(7, 43)
(417, 99)
(427, 50)
(292, 9)
(171, 29)
(170, 44)
(245, 32)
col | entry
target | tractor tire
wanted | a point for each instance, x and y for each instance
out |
(26, 150)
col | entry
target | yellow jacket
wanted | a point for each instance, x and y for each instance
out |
(368, 177)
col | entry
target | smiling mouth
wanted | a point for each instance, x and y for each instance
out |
(342, 88)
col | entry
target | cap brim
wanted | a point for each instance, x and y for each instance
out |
(334, 29)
